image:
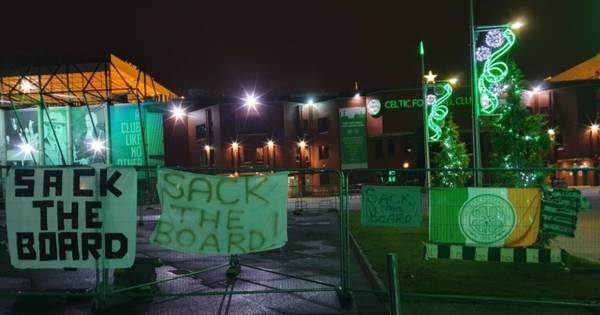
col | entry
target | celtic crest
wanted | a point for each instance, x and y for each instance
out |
(487, 219)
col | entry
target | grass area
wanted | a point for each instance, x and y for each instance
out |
(417, 275)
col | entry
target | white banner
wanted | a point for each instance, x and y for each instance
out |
(219, 214)
(71, 217)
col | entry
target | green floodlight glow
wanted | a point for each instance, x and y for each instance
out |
(438, 113)
(494, 72)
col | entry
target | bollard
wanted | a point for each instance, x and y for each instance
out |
(393, 283)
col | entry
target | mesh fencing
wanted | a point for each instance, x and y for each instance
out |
(436, 268)
(309, 263)
(470, 246)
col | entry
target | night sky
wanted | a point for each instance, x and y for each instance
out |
(293, 46)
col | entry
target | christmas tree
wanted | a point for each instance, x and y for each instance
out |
(452, 155)
(519, 139)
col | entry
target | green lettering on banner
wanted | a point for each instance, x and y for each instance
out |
(221, 215)
(393, 206)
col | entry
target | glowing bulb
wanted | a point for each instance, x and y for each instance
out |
(207, 148)
(235, 145)
(177, 112)
(453, 81)
(251, 101)
(594, 127)
(536, 89)
(302, 144)
(406, 165)
(27, 86)
(517, 25)
(96, 146)
(26, 148)
(551, 132)
(357, 95)
(270, 144)
(310, 102)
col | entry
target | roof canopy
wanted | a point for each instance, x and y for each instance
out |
(113, 80)
(587, 70)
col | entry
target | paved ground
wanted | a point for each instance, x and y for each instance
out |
(586, 243)
(312, 253)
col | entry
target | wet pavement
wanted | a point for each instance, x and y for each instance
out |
(310, 260)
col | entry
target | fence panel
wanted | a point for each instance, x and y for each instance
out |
(305, 269)
(474, 244)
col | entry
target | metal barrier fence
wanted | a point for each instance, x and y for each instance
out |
(324, 234)
(555, 270)
(314, 260)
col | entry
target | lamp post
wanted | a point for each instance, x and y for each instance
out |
(271, 150)
(594, 128)
(234, 149)
(478, 86)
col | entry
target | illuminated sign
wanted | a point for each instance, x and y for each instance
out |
(418, 102)
(374, 107)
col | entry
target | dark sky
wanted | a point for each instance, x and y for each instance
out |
(293, 46)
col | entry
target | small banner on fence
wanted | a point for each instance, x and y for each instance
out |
(394, 206)
(559, 211)
(221, 215)
(71, 217)
(493, 217)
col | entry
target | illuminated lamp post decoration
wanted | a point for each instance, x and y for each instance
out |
(494, 71)
(485, 101)
(439, 111)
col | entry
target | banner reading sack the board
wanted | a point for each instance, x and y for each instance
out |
(492, 217)
(221, 215)
(393, 206)
(71, 217)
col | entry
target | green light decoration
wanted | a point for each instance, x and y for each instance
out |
(439, 111)
(494, 70)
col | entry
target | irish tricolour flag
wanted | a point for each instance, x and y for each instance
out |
(493, 217)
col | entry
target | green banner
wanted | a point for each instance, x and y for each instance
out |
(71, 217)
(559, 211)
(493, 217)
(353, 137)
(126, 135)
(221, 215)
(394, 206)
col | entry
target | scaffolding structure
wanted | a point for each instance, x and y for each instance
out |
(58, 93)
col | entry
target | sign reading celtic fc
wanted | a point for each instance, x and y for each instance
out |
(490, 217)
(487, 219)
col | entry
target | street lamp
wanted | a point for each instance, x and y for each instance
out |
(270, 150)
(251, 101)
(234, 148)
(207, 150)
(96, 146)
(177, 112)
(498, 41)
(594, 128)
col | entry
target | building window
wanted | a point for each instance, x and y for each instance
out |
(378, 148)
(260, 154)
(323, 152)
(247, 154)
(324, 179)
(201, 131)
(323, 124)
(391, 147)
